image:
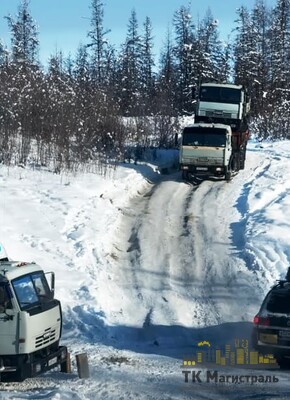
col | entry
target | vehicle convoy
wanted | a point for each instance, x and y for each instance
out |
(30, 322)
(271, 330)
(216, 143)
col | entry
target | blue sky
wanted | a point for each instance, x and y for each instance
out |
(63, 24)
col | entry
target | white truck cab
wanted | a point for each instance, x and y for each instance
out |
(30, 321)
(206, 149)
(224, 103)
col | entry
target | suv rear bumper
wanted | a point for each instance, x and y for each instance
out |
(263, 347)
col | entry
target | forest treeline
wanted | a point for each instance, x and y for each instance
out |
(92, 105)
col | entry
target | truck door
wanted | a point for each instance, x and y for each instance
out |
(8, 322)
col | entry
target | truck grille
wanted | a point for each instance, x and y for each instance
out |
(203, 161)
(47, 337)
(218, 114)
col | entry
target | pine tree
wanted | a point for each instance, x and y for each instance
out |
(81, 69)
(280, 42)
(98, 42)
(184, 41)
(244, 50)
(25, 43)
(279, 68)
(165, 105)
(260, 62)
(22, 70)
(4, 54)
(211, 50)
(252, 51)
(131, 69)
(167, 79)
(224, 62)
(147, 65)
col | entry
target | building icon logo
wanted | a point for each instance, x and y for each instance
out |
(237, 355)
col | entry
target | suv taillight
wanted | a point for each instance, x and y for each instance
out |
(261, 320)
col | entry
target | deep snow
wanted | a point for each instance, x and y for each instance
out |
(147, 266)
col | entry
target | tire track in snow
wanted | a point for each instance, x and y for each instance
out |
(163, 257)
(177, 261)
(161, 234)
(144, 277)
(178, 258)
(207, 226)
(228, 282)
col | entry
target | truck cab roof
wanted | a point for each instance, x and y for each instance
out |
(202, 125)
(13, 269)
(222, 85)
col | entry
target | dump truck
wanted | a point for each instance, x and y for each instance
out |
(211, 150)
(30, 321)
(223, 103)
(216, 143)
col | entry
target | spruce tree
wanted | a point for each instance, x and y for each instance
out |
(24, 35)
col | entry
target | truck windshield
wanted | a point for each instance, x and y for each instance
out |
(204, 137)
(31, 290)
(220, 95)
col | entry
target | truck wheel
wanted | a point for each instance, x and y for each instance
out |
(242, 158)
(228, 176)
(185, 176)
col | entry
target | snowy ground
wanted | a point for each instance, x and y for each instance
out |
(147, 266)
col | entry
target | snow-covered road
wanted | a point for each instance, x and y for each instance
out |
(179, 258)
(147, 266)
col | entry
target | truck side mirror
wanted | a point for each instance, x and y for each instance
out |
(52, 282)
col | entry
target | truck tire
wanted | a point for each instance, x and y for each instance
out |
(228, 175)
(235, 162)
(242, 158)
(185, 176)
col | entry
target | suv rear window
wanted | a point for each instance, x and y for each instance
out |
(279, 301)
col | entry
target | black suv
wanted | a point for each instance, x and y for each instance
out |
(271, 332)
